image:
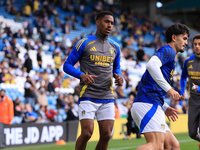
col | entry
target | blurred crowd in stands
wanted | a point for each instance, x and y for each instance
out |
(46, 32)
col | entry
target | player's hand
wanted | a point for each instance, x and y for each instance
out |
(194, 87)
(118, 80)
(171, 114)
(174, 94)
(88, 79)
(183, 97)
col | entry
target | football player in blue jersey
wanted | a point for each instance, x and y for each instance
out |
(191, 70)
(149, 109)
(99, 58)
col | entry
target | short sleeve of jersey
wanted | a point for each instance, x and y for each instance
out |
(166, 54)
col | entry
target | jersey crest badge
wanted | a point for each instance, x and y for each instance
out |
(163, 126)
(190, 67)
(111, 50)
(83, 112)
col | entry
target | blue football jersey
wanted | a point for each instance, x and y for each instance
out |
(149, 91)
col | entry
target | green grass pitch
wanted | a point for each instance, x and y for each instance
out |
(186, 143)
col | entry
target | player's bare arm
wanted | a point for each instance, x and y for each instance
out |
(174, 94)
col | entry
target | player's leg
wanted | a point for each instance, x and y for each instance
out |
(87, 127)
(105, 130)
(171, 143)
(155, 141)
(87, 111)
(105, 117)
(151, 120)
(193, 122)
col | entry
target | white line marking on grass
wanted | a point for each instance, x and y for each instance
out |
(181, 141)
(124, 147)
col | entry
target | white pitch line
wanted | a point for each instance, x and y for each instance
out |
(124, 148)
(181, 141)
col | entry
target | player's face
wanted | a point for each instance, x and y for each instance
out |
(196, 45)
(181, 42)
(105, 25)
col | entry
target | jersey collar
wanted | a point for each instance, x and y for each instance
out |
(198, 58)
(100, 37)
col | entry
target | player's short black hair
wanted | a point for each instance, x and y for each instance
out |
(196, 37)
(101, 14)
(177, 29)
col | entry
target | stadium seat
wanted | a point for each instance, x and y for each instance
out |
(52, 107)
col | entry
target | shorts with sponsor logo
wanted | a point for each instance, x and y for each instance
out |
(149, 117)
(100, 111)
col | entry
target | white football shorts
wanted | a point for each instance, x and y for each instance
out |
(102, 111)
(149, 117)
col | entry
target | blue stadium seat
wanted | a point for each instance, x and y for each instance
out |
(50, 100)
(64, 116)
(22, 99)
(62, 111)
(149, 50)
(52, 107)
(20, 42)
